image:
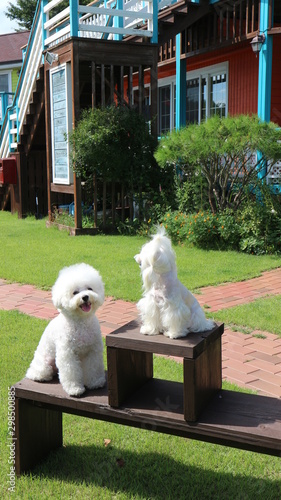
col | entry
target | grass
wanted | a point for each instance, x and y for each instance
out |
(32, 254)
(136, 464)
(262, 314)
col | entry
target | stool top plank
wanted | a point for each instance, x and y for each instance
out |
(129, 337)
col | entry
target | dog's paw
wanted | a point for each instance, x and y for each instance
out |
(74, 390)
(97, 384)
(146, 330)
(175, 335)
(39, 376)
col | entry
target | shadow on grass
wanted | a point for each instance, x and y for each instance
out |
(150, 475)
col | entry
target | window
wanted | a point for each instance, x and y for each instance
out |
(4, 82)
(192, 100)
(206, 96)
(218, 95)
(167, 107)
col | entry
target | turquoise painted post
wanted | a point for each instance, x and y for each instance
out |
(9, 127)
(18, 123)
(265, 64)
(265, 68)
(180, 86)
(44, 18)
(118, 21)
(154, 38)
(73, 4)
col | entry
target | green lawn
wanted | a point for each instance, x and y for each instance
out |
(30, 253)
(137, 464)
(262, 314)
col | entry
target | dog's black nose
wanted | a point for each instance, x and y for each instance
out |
(85, 298)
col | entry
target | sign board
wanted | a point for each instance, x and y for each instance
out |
(61, 123)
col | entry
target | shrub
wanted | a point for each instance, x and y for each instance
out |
(255, 229)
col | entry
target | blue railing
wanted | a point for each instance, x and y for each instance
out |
(6, 99)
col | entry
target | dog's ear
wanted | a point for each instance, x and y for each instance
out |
(156, 257)
(138, 258)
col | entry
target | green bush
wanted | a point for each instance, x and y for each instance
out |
(255, 229)
(260, 227)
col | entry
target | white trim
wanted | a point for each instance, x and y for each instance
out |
(68, 103)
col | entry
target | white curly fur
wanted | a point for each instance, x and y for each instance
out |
(71, 343)
(167, 306)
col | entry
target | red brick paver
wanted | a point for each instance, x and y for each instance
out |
(248, 360)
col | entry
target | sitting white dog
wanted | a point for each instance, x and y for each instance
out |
(167, 306)
(71, 343)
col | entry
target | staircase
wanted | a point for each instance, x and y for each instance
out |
(33, 113)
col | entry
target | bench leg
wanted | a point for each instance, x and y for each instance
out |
(38, 431)
(127, 371)
(202, 379)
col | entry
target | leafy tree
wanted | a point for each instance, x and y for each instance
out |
(23, 11)
(224, 152)
(115, 144)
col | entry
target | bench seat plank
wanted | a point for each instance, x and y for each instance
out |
(244, 421)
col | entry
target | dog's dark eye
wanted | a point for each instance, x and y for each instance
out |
(90, 289)
(75, 292)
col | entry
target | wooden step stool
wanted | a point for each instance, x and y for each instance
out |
(130, 364)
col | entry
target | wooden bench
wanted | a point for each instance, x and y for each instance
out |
(234, 419)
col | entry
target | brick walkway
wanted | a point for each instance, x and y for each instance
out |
(248, 361)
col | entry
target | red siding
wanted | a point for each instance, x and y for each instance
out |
(276, 81)
(243, 75)
(243, 83)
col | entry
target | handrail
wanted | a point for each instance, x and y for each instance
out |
(15, 114)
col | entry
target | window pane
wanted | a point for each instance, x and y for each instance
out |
(4, 85)
(165, 107)
(203, 99)
(218, 95)
(192, 101)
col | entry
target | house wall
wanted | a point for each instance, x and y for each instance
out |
(15, 78)
(243, 75)
(276, 81)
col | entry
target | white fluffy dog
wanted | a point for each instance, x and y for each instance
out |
(167, 306)
(71, 343)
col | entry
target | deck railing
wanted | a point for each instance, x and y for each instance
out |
(6, 99)
(113, 19)
(15, 114)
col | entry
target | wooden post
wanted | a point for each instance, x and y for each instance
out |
(38, 431)
(104, 204)
(154, 87)
(127, 371)
(95, 201)
(202, 379)
(76, 114)
(113, 202)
